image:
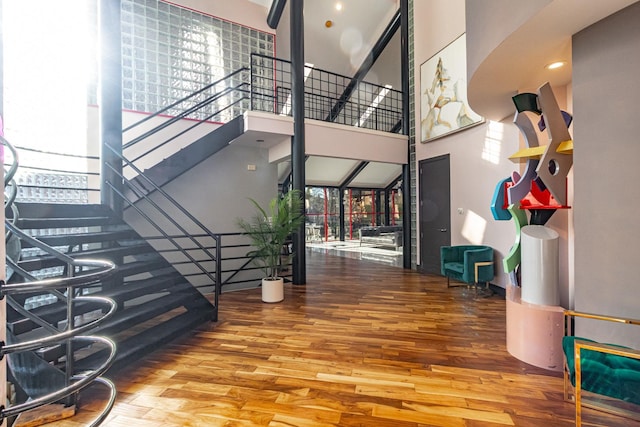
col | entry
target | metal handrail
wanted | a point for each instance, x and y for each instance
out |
(130, 164)
(186, 98)
(284, 61)
(69, 333)
(100, 269)
(165, 235)
(183, 132)
(83, 381)
(279, 70)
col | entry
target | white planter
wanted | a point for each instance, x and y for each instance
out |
(273, 290)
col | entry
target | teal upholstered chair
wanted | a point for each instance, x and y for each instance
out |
(609, 373)
(460, 263)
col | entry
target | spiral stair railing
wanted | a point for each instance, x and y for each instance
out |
(80, 273)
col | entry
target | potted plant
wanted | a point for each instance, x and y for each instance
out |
(268, 230)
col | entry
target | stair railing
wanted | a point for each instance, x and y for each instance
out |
(81, 272)
(197, 107)
(185, 235)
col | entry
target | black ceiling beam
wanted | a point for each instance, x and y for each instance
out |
(275, 13)
(353, 175)
(393, 183)
(375, 53)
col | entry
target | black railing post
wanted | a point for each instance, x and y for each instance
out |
(297, 141)
(251, 83)
(406, 170)
(110, 101)
(218, 287)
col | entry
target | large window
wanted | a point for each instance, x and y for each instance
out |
(168, 52)
(49, 65)
(322, 213)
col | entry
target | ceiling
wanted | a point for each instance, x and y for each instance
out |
(341, 48)
(546, 37)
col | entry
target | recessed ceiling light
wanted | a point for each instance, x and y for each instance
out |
(338, 6)
(554, 65)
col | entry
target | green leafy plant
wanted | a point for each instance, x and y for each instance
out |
(269, 229)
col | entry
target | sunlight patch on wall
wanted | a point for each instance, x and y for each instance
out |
(474, 228)
(493, 142)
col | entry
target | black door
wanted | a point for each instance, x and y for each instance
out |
(435, 211)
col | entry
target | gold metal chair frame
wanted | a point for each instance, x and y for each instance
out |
(575, 394)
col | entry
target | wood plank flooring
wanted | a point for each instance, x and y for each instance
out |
(362, 344)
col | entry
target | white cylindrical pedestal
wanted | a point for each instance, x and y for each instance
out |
(539, 265)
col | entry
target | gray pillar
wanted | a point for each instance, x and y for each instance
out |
(406, 170)
(297, 141)
(110, 103)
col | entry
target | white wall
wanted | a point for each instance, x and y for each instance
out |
(473, 178)
(606, 66)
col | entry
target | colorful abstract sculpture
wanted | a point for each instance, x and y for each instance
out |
(542, 187)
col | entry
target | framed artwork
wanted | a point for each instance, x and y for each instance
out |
(443, 93)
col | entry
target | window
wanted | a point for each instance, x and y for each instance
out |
(168, 52)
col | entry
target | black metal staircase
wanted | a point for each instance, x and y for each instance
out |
(155, 302)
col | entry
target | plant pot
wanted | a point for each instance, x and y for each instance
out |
(272, 290)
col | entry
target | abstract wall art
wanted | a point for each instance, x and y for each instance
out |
(443, 93)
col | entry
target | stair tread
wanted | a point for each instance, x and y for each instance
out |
(90, 237)
(133, 316)
(47, 261)
(56, 312)
(62, 210)
(151, 339)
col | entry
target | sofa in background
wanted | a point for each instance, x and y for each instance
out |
(382, 235)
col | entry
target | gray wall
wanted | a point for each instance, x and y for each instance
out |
(606, 69)
(216, 192)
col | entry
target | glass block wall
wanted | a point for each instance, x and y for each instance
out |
(412, 139)
(169, 52)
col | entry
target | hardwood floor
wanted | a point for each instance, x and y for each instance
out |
(362, 344)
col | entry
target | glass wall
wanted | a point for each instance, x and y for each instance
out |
(362, 208)
(323, 213)
(169, 52)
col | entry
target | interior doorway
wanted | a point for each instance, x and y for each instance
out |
(434, 211)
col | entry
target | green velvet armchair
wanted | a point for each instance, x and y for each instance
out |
(464, 262)
(610, 374)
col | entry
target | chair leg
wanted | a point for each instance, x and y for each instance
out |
(447, 281)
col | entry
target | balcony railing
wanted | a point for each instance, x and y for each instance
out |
(369, 105)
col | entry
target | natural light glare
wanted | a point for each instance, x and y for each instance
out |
(473, 228)
(286, 108)
(46, 70)
(383, 92)
(216, 61)
(493, 142)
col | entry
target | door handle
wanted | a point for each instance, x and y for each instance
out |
(443, 230)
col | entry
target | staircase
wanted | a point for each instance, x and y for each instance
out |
(155, 302)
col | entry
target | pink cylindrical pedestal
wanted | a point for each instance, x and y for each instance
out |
(534, 332)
